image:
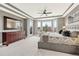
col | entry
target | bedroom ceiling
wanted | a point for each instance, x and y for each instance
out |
(34, 8)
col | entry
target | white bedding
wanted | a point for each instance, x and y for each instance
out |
(55, 35)
(58, 38)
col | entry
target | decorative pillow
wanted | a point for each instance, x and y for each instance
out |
(66, 33)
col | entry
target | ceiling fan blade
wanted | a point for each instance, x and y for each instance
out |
(40, 13)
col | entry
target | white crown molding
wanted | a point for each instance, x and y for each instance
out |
(9, 9)
(70, 9)
(18, 10)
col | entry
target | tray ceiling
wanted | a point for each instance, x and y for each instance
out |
(34, 8)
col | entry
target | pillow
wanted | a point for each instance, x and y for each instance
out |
(60, 32)
(66, 33)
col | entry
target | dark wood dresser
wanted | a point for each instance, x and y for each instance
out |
(10, 37)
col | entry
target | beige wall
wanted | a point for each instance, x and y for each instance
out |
(60, 23)
(34, 27)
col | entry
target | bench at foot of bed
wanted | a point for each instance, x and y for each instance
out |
(72, 49)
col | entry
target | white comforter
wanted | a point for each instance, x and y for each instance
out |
(58, 38)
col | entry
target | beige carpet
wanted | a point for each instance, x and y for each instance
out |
(28, 47)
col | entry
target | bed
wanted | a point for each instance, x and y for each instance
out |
(57, 42)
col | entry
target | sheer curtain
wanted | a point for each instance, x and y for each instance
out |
(50, 24)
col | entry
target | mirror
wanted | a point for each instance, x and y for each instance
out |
(10, 23)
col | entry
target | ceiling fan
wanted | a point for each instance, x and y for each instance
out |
(45, 12)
